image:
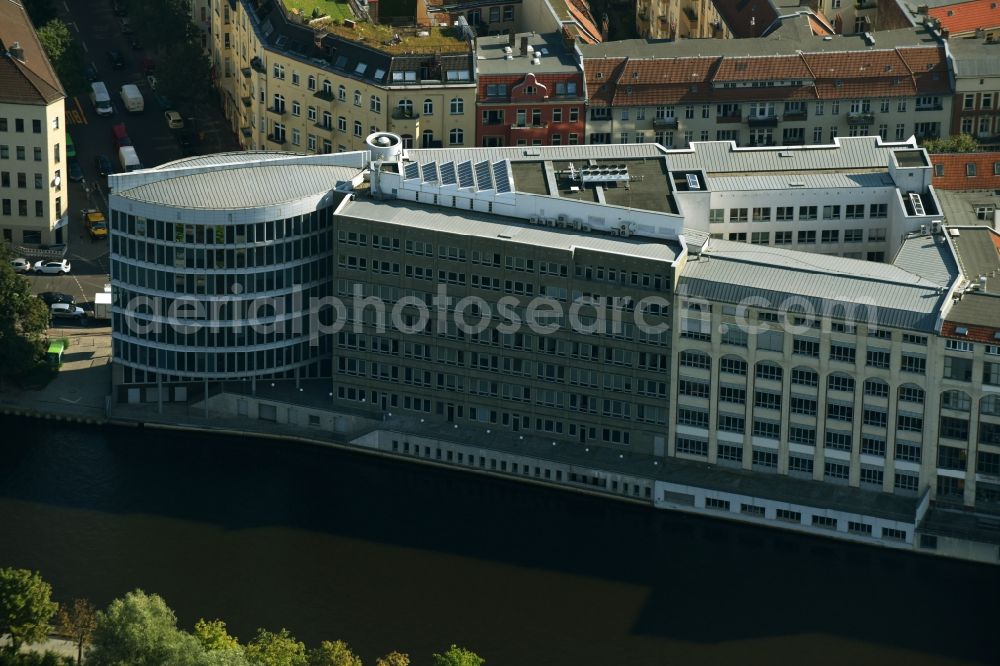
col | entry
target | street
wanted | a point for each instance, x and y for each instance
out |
(98, 30)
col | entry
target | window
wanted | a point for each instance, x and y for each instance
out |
(842, 353)
(836, 471)
(457, 106)
(456, 137)
(279, 71)
(970, 168)
(840, 382)
(375, 104)
(878, 358)
(831, 212)
(873, 445)
(805, 377)
(807, 213)
(805, 347)
(358, 128)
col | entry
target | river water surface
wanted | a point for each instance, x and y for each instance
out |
(389, 555)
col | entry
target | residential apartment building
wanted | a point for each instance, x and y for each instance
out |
(972, 18)
(829, 394)
(976, 104)
(785, 92)
(33, 163)
(324, 88)
(531, 91)
(667, 19)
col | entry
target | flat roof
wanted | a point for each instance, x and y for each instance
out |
(930, 257)
(731, 272)
(549, 49)
(959, 208)
(240, 188)
(978, 250)
(508, 229)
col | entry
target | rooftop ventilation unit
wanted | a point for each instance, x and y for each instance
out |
(603, 174)
(918, 204)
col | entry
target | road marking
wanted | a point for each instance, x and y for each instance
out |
(76, 100)
(74, 117)
(66, 6)
(72, 402)
(84, 45)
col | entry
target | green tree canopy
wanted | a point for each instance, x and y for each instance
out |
(335, 653)
(958, 143)
(141, 630)
(64, 53)
(185, 74)
(78, 621)
(393, 659)
(26, 606)
(162, 23)
(276, 649)
(213, 636)
(456, 656)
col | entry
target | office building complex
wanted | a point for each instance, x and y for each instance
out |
(628, 302)
(33, 159)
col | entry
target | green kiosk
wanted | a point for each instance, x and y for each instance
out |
(56, 348)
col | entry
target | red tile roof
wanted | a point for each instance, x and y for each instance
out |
(963, 17)
(902, 72)
(983, 334)
(954, 167)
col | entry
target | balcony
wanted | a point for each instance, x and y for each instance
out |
(794, 141)
(763, 121)
(327, 127)
(797, 114)
(930, 107)
(247, 101)
(277, 110)
(521, 126)
(759, 144)
(669, 123)
(247, 132)
(246, 72)
(325, 95)
(277, 138)
(403, 114)
(257, 65)
(731, 118)
(864, 118)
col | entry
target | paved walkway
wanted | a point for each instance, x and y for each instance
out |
(80, 389)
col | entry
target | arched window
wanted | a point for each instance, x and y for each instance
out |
(311, 82)
(357, 98)
(405, 107)
(456, 137)
(375, 104)
(876, 388)
(327, 87)
(407, 141)
(911, 393)
(457, 106)
(733, 365)
(957, 400)
(342, 93)
(427, 139)
(839, 381)
(767, 370)
(805, 376)
(428, 107)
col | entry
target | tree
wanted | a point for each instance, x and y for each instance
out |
(393, 659)
(64, 53)
(213, 636)
(141, 630)
(276, 649)
(162, 23)
(78, 622)
(334, 653)
(958, 143)
(23, 321)
(25, 607)
(456, 656)
(185, 74)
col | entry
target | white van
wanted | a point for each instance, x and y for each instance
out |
(101, 99)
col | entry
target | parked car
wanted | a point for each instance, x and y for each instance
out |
(116, 59)
(151, 80)
(174, 120)
(67, 311)
(20, 265)
(75, 171)
(51, 297)
(61, 267)
(90, 72)
(103, 165)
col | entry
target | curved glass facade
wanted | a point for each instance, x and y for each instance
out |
(194, 300)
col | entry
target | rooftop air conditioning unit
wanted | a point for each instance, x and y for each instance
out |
(935, 227)
(923, 229)
(533, 220)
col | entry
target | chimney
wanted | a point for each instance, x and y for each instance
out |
(15, 51)
(512, 41)
(524, 45)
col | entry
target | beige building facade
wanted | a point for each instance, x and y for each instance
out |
(303, 90)
(33, 160)
(679, 19)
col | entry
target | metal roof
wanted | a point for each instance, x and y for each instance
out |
(733, 272)
(240, 188)
(512, 230)
(864, 152)
(537, 153)
(978, 250)
(977, 309)
(799, 181)
(929, 257)
(236, 157)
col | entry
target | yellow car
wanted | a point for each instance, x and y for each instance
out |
(97, 225)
